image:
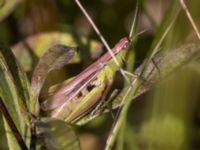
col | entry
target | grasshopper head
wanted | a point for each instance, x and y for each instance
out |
(122, 44)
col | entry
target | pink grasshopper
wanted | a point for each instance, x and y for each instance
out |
(85, 91)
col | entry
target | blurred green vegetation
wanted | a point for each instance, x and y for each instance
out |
(167, 117)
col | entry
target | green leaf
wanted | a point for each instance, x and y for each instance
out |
(18, 74)
(6, 7)
(3, 140)
(165, 63)
(33, 47)
(57, 134)
(55, 58)
(13, 83)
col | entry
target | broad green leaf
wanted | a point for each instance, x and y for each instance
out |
(6, 7)
(12, 80)
(33, 47)
(55, 58)
(57, 134)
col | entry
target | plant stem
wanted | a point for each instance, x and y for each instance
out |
(12, 125)
(33, 137)
(126, 102)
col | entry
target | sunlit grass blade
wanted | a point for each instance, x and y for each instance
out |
(7, 7)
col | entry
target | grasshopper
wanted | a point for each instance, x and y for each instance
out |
(81, 94)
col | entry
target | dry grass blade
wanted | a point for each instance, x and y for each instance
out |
(102, 39)
(190, 18)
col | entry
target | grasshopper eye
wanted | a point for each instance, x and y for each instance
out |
(126, 46)
(126, 43)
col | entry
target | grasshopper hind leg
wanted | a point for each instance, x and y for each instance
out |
(99, 107)
(104, 104)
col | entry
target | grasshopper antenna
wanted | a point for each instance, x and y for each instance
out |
(102, 39)
(133, 26)
(131, 36)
